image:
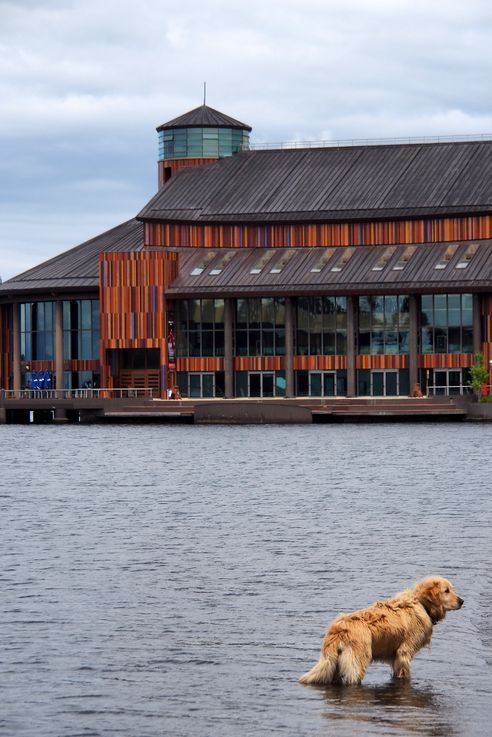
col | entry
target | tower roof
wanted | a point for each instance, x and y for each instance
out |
(204, 117)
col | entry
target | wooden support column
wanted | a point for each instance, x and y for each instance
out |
(60, 384)
(16, 346)
(351, 328)
(289, 347)
(413, 355)
(477, 324)
(228, 348)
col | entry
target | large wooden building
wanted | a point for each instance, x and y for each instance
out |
(331, 271)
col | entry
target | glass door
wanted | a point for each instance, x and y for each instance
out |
(384, 383)
(448, 381)
(201, 385)
(261, 384)
(322, 384)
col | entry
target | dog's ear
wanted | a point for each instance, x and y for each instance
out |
(429, 594)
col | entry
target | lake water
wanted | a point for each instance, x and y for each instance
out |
(176, 580)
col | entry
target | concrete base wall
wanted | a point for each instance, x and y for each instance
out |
(242, 413)
(481, 412)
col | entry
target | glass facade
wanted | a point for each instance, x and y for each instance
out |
(81, 329)
(384, 325)
(321, 326)
(260, 327)
(37, 329)
(201, 143)
(446, 322)
(199, 327)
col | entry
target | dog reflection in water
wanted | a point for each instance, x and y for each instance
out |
(390, 631)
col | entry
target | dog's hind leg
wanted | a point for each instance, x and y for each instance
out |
(401, 663)
(353, 662)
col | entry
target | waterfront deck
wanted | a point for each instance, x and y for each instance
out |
(97, 406)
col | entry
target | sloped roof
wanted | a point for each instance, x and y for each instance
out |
(338, 270)
(204, 117)
(331, 184)
(78, 268)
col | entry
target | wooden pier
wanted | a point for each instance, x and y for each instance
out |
(97, 406)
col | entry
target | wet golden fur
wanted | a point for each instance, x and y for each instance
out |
(390, 631)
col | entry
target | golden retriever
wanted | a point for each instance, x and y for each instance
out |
(390, 631)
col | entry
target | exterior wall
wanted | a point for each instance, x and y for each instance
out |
(432, 230)
(169, 167)
(133, 304)
(5, 345)
(487, 332)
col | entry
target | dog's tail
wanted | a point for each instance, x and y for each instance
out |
(326, 669)
(338, 663)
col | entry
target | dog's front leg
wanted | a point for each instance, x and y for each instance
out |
(401, 663)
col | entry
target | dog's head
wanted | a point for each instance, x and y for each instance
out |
(437, 596)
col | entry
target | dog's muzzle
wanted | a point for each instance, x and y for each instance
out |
(460, 602)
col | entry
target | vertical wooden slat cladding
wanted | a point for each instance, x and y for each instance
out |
(319, 363)
(432, 230)
(445, 360)
(5, 345)
(259, 363)
(133, 302)
(382, 362)
(200, 364)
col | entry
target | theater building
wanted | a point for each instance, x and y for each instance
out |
(353, 270)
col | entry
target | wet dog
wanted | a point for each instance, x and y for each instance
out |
(390, 631)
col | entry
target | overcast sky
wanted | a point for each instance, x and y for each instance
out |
(84, 83)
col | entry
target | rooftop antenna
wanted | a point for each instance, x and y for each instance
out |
(204, 93)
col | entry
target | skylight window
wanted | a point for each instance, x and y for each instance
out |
(384, 258)
(467, 256)
(279, 265)
(343, 259)
(258, 267)
(322, 261)
(447, 256)
(200, 267)
(223, 261)
(404, 258)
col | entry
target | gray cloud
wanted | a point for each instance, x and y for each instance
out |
(83, 85)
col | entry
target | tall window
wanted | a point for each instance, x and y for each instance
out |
(260, 327)
(446, 323)
(321, 326)
(81, 329)
(384, 325)
(177, 143)
(199, 327)
(37, 323)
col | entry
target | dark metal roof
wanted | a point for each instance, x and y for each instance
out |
(78, 268)
(365, 269)
(332, 184)
(204, 117)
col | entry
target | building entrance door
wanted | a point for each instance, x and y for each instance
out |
(384, 383)
(261, 384)
(322, 384)
(201, 385)
(448, 381)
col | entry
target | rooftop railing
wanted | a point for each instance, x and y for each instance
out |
(342, 143)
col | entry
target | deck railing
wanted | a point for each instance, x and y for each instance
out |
(102, 393)
(445, 390)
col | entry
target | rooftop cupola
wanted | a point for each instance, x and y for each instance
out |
(199, 137)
